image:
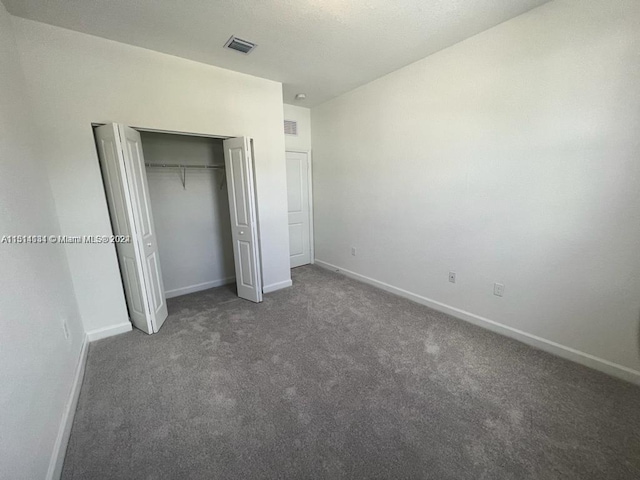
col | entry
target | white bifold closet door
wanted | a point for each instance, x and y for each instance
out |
(244, 226)
(123, 169)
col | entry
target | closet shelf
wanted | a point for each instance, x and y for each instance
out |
(183, 170)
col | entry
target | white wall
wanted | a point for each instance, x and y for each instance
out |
(37, 362)
(75, 79)
(511, 157)
(192, 224)
(302, 115)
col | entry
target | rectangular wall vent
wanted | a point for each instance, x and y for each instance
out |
(290, 127)
(242, 46)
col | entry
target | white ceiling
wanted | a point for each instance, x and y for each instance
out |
(320, 47)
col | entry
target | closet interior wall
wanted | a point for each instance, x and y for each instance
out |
(192, 221)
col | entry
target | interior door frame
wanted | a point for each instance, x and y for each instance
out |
(310, 199)
(169, 132)
(207, 135)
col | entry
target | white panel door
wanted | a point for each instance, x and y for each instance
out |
(299, 215)
(242, 209)
(122, 162)
(143, 221)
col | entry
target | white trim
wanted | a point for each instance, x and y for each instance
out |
(170, 132)
(176, 292)
(110, 331)
(563, 351)
(276, 286)
(64, 431)
(312, 249)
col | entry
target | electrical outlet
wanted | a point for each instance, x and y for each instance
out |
(353, 251)
(65, 329)
(498, 289)
(452, 277)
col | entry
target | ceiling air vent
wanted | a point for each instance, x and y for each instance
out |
(290, 127)
(242, 46)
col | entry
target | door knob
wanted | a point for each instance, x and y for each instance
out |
(241, 232)
(148, 244)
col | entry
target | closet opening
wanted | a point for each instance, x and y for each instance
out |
(185, 206)
(190, 211)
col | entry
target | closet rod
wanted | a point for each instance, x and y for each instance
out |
(178, 165)
(183, 170)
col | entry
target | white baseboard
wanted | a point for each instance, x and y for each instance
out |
(110, 331)
(563, 351)
(276, 286)
(64, 431)
(176, 292)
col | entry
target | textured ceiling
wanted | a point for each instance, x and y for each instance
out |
(320, 47)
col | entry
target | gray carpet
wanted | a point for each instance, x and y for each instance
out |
(333, 379)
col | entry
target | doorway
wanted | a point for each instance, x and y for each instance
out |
(195, 245)
(190, 206)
